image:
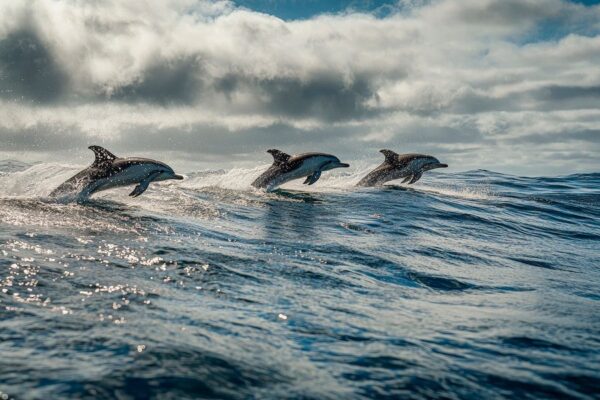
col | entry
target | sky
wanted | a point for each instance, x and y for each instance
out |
(506, 85)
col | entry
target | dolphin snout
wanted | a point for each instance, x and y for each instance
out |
(434, 165)
(343, 165)
(177, 177)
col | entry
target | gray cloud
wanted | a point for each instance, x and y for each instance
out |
(591, 136)
(467, 79)
(549, 98)
(572, 92)
(28, 69)
(325, 97)
(41, 137)
(203, 139)
(176, 81)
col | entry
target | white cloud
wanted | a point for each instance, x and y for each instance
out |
(503, 78)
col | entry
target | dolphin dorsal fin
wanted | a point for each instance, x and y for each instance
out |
(279, 157)
(102, 155)
(391, 157)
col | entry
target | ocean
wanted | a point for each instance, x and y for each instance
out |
(464, 285)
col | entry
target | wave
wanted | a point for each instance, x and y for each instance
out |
(36, 181)
(421, 273)
(22, 180)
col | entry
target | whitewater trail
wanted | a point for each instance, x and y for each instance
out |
(38, 180)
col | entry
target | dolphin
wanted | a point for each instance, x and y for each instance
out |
(109, 171)
(396, 166)
(286, 168)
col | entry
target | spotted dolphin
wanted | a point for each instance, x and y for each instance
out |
(396, 166)
(286, 168)
(109, 171)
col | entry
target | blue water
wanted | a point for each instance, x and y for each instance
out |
(464, 285)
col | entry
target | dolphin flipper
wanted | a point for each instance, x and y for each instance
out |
(415, 178)
(312, 178)
(143, 185)
(408, 178)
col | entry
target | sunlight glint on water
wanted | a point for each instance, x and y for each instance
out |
(467, 283)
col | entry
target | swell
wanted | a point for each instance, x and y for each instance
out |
(21, 179)
(566, 206)
(472, 282)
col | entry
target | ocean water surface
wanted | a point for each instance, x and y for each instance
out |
(464, 285)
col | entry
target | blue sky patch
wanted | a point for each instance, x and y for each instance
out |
(303, 9)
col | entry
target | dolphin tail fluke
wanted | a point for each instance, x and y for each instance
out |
(102, 155)
(279, 157)
(312, 178)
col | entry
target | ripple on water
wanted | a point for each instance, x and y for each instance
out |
(464, 285)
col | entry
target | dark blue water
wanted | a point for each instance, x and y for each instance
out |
(465, 285)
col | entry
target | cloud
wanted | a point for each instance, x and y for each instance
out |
(172, 81)
(28, 70)
(497, 77)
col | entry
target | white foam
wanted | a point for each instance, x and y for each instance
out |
(36, 181)
(40, 179)
(233, 179)
(242, 178)
(477, 192)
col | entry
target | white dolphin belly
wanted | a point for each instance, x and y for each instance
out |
(129, 176)
(308, 167)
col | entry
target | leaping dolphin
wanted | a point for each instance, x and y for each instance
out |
(286, 168)
(109, 171)
(396, 166)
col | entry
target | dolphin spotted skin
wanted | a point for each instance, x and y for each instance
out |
(396, 166)
(109, 171)
(286, 168)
